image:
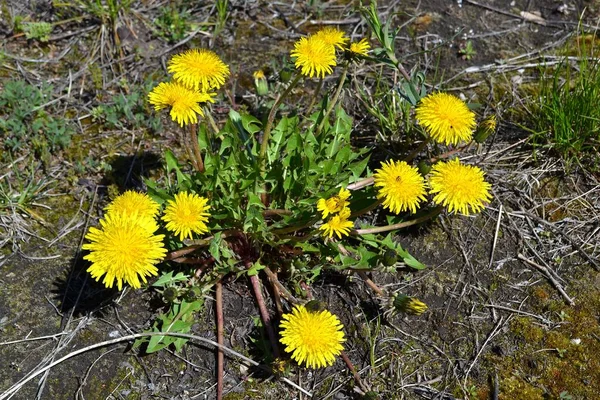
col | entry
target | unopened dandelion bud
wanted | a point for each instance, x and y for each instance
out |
(409, 305)
(194, 293)
(285, 75)
(260, 83)
(424, 167)
(170, 294)
(485, 129)
(390, 257)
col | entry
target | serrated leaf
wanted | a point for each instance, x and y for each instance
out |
(167, 278)
(255, 269)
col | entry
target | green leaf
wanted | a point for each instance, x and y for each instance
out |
(255, 269)
(251, 124)
(214, 247)
(179, 320)
(168, 278)
(409, 259)
(183, 181)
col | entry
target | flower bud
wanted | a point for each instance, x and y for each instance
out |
(194, 293)
(390, 257)
(260, 83)
(408, 305)
(170, 294)
(424, 167)
(285, 75)
(485, 129)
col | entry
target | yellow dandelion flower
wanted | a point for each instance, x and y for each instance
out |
(314, 57)
(360, 48)
(338, 224)
(402, 188)
(332, 36)
(125, 249)
(459, 187)
(131, 202)
(199, 69)
(187, 214)
(183, 101)
(313, 338)
(334, 204)
(446, 117)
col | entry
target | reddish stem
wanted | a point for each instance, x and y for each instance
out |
(371, 284)
(353, 371)
(220, 359)
(264, 314)
(199, 164)
(282, 290)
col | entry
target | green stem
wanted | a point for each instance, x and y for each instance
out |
(334, 100)
(314, 99)
(211, 121)
(400, 225)
(416, 151)
(267, 132)
(365, 210)
(295, 228)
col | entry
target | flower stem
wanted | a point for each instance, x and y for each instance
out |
(334, 100)
(295, 228)
(400, 225)
(219, 312)
(371, 284)
(365, 210)
(275, 282)
(264, 314)
(314, 99)
(199, 164)
(416, 151)
(451, 152)
(269, 125)
(361, 184)
(211, 120)
(353, 371)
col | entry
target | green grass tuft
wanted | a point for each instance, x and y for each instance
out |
(566, 116)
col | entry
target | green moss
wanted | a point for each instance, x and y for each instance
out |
(548, 362)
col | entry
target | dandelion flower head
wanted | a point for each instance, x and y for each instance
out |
(332, 36)
(446, 117)
(199, 69)
(360, 48)
(313, 338)
(314, 57)
(183, 101)
(187, 214)
(402, 188)
(459, 187)
(334, 204)
(131, 202)
(125, 249)
(338, 225)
